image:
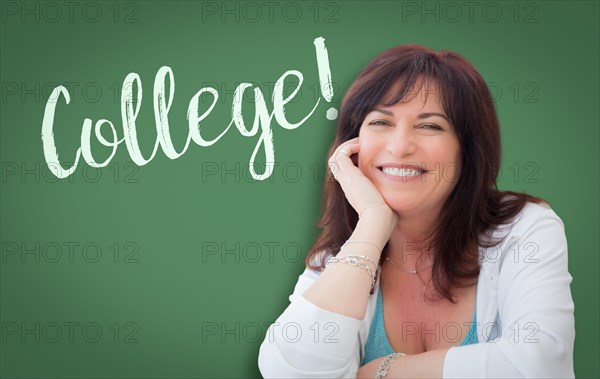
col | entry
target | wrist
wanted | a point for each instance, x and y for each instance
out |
(380, 212)
(384, 367)
(379, 209)
(381, 220)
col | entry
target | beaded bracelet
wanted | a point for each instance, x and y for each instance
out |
(354, 260)
(383, 368)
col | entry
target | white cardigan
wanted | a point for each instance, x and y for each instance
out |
(525, 315)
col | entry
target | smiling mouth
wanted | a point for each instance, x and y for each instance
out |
(402, 171)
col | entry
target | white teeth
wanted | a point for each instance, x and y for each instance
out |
(401, 171)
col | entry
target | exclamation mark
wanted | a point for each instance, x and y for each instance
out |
(325, 75)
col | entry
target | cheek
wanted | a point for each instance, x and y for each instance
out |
(451, 167)
(365, 153)
(362, 153)
(361, 159)
(451, 173)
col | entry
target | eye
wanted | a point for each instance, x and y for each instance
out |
(431, 126)
(379, 123)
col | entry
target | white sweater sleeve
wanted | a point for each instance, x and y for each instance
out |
(535, 308)
(310, 342)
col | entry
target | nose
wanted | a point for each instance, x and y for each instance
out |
(401, 142)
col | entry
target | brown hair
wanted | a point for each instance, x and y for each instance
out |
(475, 206)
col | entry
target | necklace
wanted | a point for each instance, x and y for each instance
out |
(413, 272)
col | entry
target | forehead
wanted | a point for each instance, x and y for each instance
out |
(422, 94)
(422, 89)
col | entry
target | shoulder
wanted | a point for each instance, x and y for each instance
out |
(532, 215)
(537, 231)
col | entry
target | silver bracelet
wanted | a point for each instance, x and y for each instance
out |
(363, 241)
(354, 261)
(383, 368)
(366, 258)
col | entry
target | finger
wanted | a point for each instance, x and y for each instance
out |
(341, 153)
(346, 149)
(340, 163)
(343, 160)
(349, 149)
(348, 143)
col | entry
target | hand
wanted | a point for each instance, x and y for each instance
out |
(370, 369)
(359, 190)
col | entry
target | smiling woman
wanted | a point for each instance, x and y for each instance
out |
(419, 270)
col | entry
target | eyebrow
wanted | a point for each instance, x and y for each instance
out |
(420, 116)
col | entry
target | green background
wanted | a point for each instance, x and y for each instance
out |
(142, 267)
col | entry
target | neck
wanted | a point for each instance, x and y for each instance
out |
(408, 246)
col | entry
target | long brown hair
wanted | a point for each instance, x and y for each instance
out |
(475, 206)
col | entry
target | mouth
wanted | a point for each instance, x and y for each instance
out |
(402, 171)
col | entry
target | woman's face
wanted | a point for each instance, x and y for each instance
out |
(411, 153)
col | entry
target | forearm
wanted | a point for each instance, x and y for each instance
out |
(429, 364)
(342, 288)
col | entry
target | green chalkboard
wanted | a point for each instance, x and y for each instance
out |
(173, 263)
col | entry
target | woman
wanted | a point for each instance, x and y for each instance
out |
(424, 268)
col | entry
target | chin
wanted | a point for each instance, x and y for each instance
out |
(400, 203)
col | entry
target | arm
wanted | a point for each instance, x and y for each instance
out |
(317, 335)
(342, 288)
(310, 342)
(429, 364)
(535, 308)
(324, 317)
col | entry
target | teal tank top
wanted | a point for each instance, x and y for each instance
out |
(378, 345)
